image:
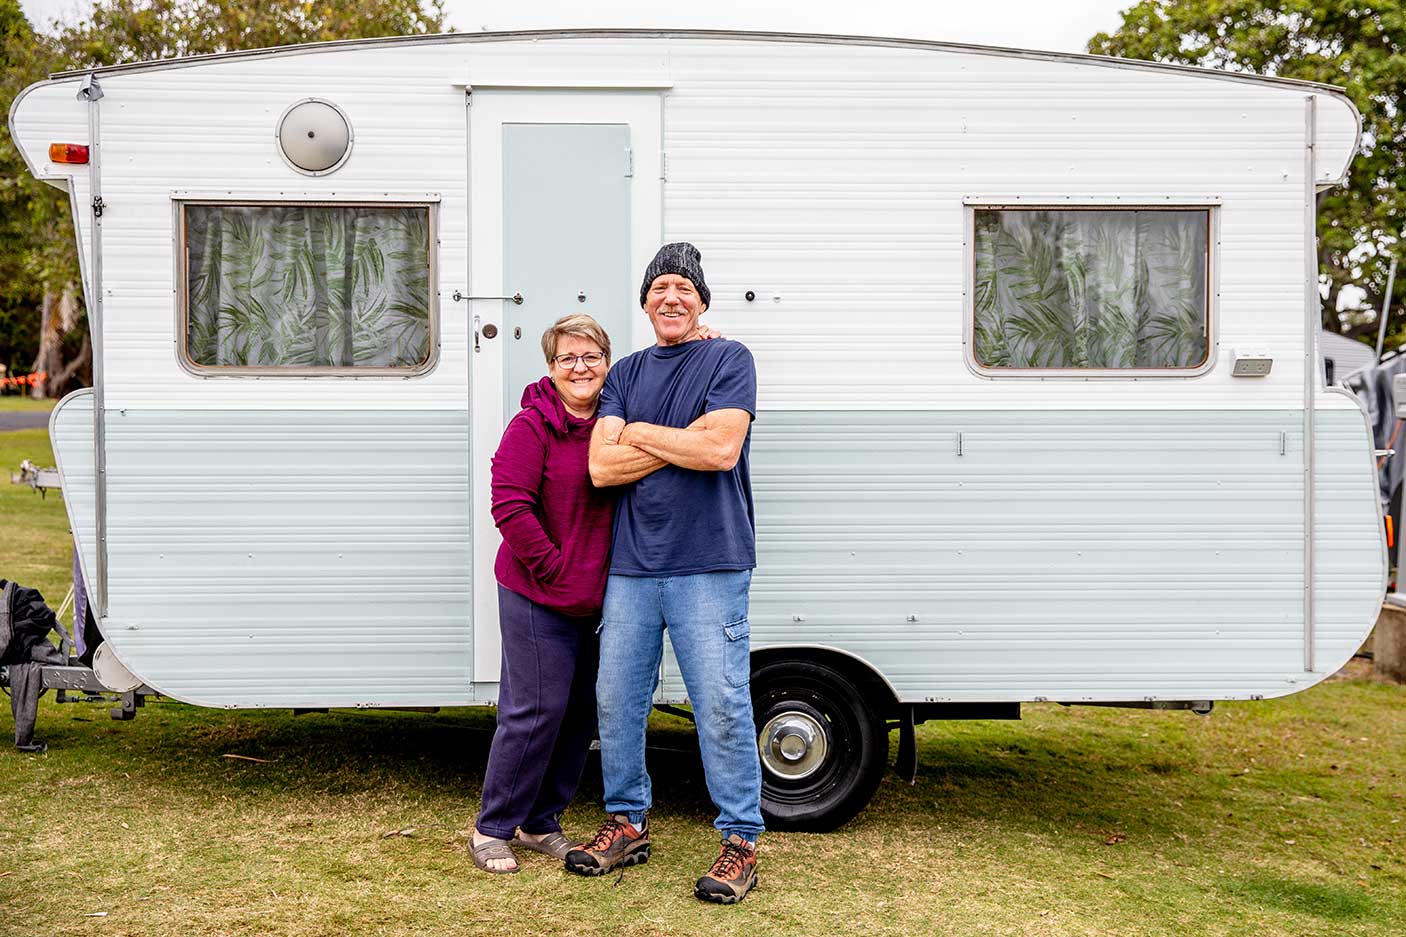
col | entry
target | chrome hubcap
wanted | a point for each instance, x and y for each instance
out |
(793, 745)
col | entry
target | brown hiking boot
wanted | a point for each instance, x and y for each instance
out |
(617, 844)
(732, 875)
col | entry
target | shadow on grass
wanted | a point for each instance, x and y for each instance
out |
(1330, 902)
(1026, 780)
(1095, 781)
(186, 749)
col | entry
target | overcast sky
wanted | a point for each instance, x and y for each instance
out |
(1026, 24)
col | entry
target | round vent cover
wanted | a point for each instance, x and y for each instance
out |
(314, 136)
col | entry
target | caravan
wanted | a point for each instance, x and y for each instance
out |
(1038, 414)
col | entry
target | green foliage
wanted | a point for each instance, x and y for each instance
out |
(36, 226)
(1358, 45)
(139, 30)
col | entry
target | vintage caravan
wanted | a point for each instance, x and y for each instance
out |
(1037, 412)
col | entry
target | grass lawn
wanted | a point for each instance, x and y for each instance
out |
(1270, 818)
(35, 546)
(17, 402)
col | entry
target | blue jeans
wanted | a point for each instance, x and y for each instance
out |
(706, 615)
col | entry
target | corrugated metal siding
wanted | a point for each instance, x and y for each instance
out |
(210, 130)
(49, 112)
(71, 435)
(307, 558)
(833, 177)
(1068, 556)
(1064, 555)
(1349, 536)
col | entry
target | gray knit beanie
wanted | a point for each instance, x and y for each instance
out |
(682, 258)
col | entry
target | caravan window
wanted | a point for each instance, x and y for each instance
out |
(1090, 289)
(307, 288)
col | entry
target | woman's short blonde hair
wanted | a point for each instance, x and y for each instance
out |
(579, 325)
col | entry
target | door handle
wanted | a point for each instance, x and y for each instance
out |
(487, 330)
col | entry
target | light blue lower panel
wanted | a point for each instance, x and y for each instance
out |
(1066, 555)
(308, 558)
(323, 559)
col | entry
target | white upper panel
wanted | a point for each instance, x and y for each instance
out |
(45, 113)
(828, 177)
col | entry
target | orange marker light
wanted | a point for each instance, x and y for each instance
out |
(67, 153)
(1390, 532)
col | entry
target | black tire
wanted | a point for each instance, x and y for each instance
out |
(855, 753)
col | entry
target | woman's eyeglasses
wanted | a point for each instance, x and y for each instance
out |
(590, 359)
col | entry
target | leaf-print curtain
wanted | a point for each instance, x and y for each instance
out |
(307, 286)
(1090, 289)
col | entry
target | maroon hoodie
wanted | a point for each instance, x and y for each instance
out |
(555, 523)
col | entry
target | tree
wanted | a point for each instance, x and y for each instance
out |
(41, 315)
(1356, 45)
(140, 30)
(40, 321)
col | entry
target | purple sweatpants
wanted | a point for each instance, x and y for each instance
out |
(546, 717)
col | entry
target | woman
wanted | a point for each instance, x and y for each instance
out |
(551, 572)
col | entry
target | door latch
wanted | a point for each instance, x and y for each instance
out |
(515, 299)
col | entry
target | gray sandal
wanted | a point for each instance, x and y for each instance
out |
(556, 845)
(493, 849)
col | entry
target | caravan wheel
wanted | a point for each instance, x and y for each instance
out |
(823, 745)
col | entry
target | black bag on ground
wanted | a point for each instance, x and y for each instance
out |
(25, 623)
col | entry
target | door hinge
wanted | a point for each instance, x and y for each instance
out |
(663, 166)
(98, 206)
(629, 162)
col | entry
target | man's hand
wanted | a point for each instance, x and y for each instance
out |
(712, 443)
(614, 463)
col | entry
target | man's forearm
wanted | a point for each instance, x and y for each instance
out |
(695, 447)
(617, 464)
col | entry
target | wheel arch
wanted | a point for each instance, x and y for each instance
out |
(857, 668)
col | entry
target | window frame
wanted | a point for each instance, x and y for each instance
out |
(180, 201)
(970, 207)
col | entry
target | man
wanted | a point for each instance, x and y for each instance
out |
(673, 430)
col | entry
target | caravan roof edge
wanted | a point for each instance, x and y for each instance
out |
(604, 33)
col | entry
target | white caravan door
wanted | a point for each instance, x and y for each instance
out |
(565, 212)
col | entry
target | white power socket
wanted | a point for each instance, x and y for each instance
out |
(1250, 364)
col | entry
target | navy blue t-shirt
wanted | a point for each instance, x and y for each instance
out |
(678, 521)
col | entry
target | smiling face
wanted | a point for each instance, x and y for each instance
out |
(673, 307)
(578, 385)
